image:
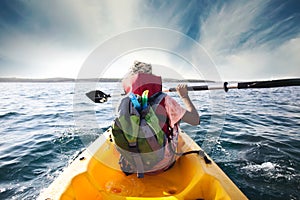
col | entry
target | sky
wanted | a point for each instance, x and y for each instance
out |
(245, 40)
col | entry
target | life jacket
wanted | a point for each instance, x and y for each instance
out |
(141, 82)
(141, 131)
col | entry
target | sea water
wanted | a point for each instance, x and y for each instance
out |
(253, 135)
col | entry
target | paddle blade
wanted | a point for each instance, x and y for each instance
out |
(97, 96)
(269, 84)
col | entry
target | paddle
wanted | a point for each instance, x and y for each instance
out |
(98, 96)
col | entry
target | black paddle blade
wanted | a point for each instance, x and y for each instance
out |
(269, 84)
(97, 96)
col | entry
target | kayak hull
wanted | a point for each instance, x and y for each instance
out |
(95, 174)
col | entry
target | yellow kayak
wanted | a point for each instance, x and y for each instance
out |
(95, 174)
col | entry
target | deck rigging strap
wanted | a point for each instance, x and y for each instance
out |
(201, 153)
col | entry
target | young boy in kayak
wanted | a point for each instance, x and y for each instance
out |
(140, 83)
(174, 110)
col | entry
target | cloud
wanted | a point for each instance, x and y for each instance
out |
(40, 59)
(74, 24)
(262, 63)
(246, 39)
(47, 36)
(222, 29)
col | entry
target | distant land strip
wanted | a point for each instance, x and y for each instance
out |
(60, 80)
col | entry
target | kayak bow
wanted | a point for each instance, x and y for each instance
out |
(95, 174)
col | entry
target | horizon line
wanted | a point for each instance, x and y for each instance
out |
(63, 79)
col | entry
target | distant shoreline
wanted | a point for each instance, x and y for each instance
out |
(71, 80)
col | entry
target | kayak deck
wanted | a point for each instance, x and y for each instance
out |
(96, 174)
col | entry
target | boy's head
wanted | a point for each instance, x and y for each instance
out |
(140, 67)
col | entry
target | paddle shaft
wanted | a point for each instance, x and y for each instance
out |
(100, 97)
(197, 88)
(245, 85)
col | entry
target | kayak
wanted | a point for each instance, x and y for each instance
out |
(95, 174)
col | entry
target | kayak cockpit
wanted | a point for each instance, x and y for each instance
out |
(104, 180)
(96, 174)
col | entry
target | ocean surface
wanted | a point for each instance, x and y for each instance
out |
(253, 135)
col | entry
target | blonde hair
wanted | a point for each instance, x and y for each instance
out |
(140, 67)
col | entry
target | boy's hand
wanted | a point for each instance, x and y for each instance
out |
(182, 90)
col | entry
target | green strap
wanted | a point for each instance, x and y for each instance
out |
(153, 121)
(130, 129)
